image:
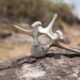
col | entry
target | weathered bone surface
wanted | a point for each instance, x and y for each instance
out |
(38, 50)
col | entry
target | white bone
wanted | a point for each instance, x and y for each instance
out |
(48, 29)
(36, 24)
(28, 31)
(60, 34)
(21, 28)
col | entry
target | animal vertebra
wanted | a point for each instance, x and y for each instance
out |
(40, 50)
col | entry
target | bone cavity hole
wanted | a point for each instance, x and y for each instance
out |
(43, 39)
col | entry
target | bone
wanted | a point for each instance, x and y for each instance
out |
(48, 30)
(21, 28)
(61, 45)
(27, 31)
(60, 34)
(38, 50)
(49, 27)
(44, 39)
(39, 47)
(36, 24)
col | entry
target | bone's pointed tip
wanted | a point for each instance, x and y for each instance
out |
(16, 26)
(49, 27)
(21, 28)
(55, 15)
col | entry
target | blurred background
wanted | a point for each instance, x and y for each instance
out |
(25, 12)
(33, 10)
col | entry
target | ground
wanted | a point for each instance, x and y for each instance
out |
(52, 67)
(58, 64)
